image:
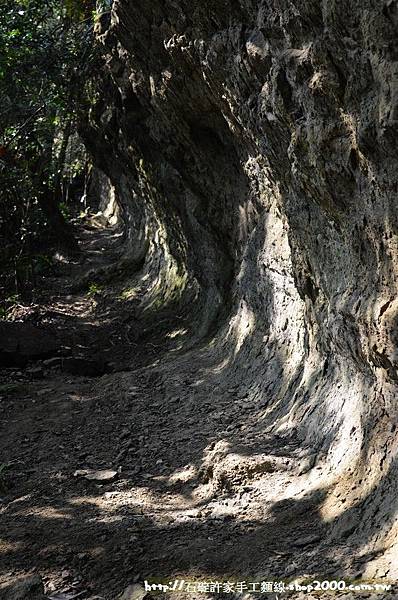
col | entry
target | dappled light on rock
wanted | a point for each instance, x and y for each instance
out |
(207, 390)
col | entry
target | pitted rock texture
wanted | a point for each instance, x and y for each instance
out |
(252, 148)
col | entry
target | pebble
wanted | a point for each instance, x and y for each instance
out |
(102, 475)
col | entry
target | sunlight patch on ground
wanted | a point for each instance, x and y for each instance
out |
(86, 501)
(46, 512)
(184, 474)
(6, 546)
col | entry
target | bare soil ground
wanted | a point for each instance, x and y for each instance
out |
(194, 489)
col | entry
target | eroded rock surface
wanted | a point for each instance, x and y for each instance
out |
(252, 146)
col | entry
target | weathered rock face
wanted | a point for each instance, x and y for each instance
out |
(253, 149)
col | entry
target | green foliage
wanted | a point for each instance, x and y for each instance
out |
(94, 289)
(79, 9)
(48, 62)
(64, 210)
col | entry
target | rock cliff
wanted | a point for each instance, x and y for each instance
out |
(252, 147)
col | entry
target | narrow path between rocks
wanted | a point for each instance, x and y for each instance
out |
(125, 459)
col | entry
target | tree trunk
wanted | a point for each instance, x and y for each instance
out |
(60, 230)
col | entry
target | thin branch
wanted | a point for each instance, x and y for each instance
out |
(22, 127)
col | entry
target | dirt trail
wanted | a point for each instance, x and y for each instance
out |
(198, 488)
